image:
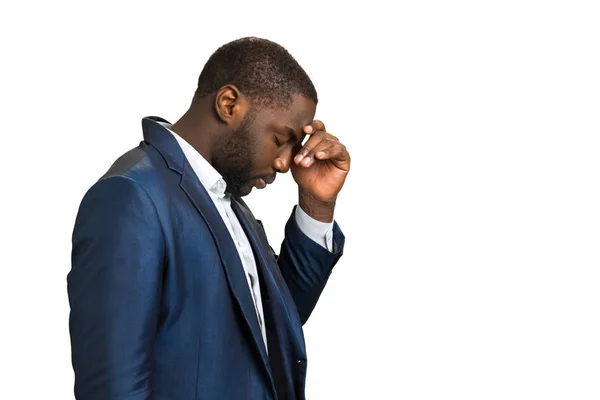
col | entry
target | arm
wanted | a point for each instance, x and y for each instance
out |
(306, 265)
(114, 290)
(319, 168)
(319, 232)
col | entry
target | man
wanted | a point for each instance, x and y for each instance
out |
(174, 290)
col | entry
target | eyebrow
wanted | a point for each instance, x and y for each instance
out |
(292, 135)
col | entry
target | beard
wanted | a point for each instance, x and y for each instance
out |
(233, 157)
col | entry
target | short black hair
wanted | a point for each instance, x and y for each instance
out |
(262, 70)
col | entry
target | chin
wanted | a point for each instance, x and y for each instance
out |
(244, 191)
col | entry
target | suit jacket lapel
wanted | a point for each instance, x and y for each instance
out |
(167, 145)
(289, 328)
(234, 271)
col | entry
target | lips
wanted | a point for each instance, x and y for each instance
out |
(269, 179)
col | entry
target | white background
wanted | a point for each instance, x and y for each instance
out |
(472, 211)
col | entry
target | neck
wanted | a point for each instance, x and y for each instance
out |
(198, 129)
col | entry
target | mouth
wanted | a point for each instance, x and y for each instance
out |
(269, 179)
(262, 182)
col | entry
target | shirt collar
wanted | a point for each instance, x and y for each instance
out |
(209, 177)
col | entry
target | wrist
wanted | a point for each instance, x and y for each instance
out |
(319, 210)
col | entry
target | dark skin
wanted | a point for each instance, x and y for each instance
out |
(248, 145)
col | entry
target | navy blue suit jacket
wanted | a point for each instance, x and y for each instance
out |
(160, 305)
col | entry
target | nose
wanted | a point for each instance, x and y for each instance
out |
(282, 162)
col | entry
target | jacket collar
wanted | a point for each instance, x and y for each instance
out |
(165, 143)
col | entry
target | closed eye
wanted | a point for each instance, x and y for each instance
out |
(276, 140)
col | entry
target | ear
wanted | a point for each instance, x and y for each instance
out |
(230, 105)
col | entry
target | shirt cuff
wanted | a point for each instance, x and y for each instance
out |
(317, 231)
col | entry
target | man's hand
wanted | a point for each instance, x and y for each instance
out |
(320, 168)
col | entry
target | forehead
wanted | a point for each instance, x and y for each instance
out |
(298, 114)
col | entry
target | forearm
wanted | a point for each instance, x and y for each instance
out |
(320, 210)
(306, 265)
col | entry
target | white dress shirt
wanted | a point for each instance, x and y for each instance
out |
(319, 232)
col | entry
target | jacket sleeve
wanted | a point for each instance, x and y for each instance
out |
(114, 289)
(306, 265)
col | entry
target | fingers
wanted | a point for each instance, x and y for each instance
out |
(336, 153)
(310, 145)
(314, 126)
(324, 146)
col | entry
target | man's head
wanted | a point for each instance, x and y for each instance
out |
(260, 99)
